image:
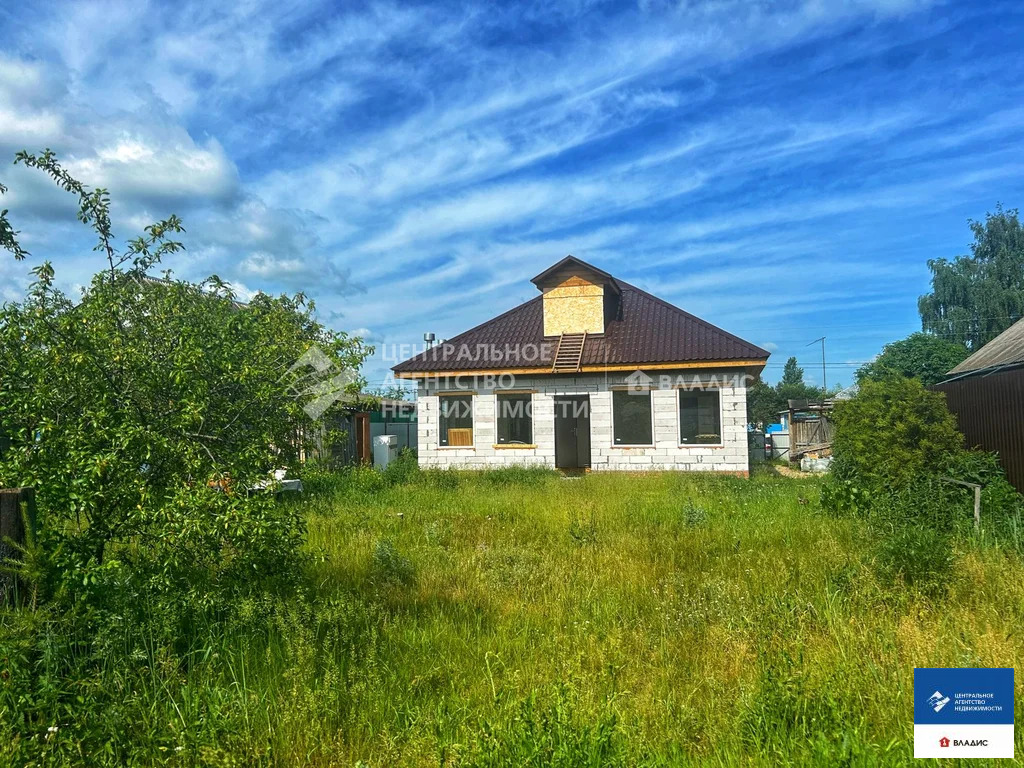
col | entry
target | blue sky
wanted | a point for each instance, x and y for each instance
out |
(784, 170)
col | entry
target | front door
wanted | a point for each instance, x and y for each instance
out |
(572, 431)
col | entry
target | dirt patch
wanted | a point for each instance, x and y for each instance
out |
(788, 472)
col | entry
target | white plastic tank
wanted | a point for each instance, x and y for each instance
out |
(385, 450)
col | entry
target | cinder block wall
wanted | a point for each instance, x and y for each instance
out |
(666, 453)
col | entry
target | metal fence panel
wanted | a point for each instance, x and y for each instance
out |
(990, 411)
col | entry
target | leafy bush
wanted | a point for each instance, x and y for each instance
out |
(842, 494)
(141, 413)
(894, 444)
(403, 470)
(1002, 507)
(891, 433)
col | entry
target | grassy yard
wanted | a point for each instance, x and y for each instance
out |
(522, 619)
(612, 619)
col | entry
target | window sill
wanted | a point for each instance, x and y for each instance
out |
(513, 446)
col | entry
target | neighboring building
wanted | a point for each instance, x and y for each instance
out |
(363, 420)
(592, 374)
(986, 394)
(808, 427)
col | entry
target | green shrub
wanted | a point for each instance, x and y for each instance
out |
(403, 470)
(893, 445)
(1002, 507)
(891, 433)
(141, 411)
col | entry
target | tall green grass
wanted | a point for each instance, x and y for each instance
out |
(517, 618)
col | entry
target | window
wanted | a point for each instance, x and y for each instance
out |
(631, 417)
(700, 418)
(515, 419)
(456, 426)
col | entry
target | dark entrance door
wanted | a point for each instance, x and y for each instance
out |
(572, 431)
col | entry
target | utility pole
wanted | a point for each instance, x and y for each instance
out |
(824, 383)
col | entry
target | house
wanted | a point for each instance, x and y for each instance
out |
(986, 394)
(593, 373)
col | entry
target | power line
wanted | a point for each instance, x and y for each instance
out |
(871, 325)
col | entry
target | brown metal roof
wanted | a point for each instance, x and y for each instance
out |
(1005, 349)
(647, 331)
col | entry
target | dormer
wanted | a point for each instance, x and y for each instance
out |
(578, 298)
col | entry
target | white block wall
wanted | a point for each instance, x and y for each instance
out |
(666, 453)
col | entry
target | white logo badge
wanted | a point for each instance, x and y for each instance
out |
(938, 701)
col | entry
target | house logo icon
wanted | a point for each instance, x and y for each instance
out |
(943, 742)
(637, 382)
(937, 701)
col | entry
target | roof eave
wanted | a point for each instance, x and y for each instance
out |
(545, 370)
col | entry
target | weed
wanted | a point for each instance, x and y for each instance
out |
(390, 566)
(919, 556)
(694, 515)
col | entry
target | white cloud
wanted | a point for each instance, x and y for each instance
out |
(432, 156)
(168, 168)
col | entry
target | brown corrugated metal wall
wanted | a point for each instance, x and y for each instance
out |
(990, 411)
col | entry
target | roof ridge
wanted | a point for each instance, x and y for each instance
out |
(691, 316)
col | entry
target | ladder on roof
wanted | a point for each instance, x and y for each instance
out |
(569, 353)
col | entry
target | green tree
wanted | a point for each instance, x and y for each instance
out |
(143, 411)
(975, 298)
(763, 404)
(792, 386)
(792, 374)
(920, 355)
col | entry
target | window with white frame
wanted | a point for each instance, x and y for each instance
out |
(631, 417)
(700, 417)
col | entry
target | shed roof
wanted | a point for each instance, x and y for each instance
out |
(646, 330)
(1005, 349)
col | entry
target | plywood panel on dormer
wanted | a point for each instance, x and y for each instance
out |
(574, 305)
